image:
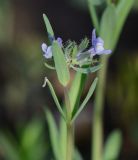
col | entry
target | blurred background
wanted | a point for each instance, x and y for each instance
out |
(23, 129)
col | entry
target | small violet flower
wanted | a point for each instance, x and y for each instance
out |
(97, 46)
(47, 50)
(96, 49)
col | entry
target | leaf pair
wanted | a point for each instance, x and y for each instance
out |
(74, 92)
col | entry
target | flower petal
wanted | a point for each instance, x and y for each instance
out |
(48, 53)
(100, 41)
(99, 48)
(105, 51)
(93, 37)
(44, 47)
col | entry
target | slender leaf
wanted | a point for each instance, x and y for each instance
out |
(94, 15)
(108, 26)
(55, 98)
(89, 94)
(113, 146)
(76, 89)
(54, 137)
(48, 26)
(123, 9)
(87, 70)
(60, 64)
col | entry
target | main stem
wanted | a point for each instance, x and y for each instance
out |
(70, 142)
(70, 128)
(97, 125)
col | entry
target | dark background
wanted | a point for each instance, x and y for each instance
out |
(22, 71)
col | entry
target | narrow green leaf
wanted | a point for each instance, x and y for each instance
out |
(123, 8)
(94, 15)
(48, 26)
(49, 66)
(55, 98)
(54, 137)
(76, 89)
(108, 26)
(87, 70)
(89, 94)
(113, 146)
(60, 64)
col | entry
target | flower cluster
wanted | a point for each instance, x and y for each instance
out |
(78, 55)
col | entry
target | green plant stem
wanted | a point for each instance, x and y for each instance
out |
(97, 133)
(70, 141)
(70, 128)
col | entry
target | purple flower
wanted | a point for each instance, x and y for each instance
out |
(96, 49)
(97, 46)
(47, 50)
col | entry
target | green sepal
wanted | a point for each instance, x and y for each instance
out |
(60, 64)
(83, 45)
(88, 96)
(75, 51)
(86, 70)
